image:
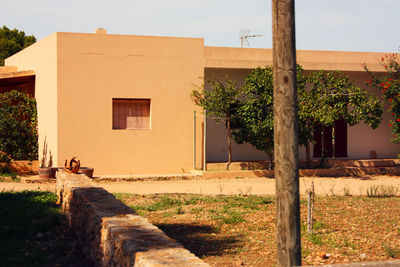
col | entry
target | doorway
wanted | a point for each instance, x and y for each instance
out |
(340, 140)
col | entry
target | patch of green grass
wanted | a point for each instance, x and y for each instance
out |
(247, 202)
(171, 201)
(194, 199)
(318, 226)
(122, 196)
(331, 240)
(305, 252)
(347, 243)
(230, 212)
(314, 238)
(7, 172)
(164, 203)
(228, 216)
(391, 251)
(232, 219)
(168, 214)
(32, 230)
(196, 210)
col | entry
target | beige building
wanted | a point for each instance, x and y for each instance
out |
(121, 103)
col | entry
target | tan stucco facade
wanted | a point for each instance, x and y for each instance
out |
(78, 76)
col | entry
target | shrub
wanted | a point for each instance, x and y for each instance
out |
(389, 85)
(18, 126)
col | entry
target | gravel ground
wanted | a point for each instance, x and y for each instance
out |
(323, 186)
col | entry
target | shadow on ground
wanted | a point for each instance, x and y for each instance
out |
(35, 233)
(202, 240)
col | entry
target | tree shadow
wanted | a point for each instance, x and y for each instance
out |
(202, 240)
(35, 232)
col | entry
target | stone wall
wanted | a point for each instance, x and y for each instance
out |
(111, 233)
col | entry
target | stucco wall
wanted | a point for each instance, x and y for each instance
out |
(94, 69)
(41, 57)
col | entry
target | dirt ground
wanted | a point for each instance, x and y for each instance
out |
(247, 186)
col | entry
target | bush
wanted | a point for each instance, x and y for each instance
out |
(389, 85)
(18, 126)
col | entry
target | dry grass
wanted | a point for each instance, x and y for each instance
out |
(240, 230)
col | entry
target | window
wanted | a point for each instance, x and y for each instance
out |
(131, 113)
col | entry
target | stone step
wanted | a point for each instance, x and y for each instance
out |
(331, 172)
(262, 165)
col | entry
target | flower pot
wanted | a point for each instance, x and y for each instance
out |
(87, 171)
(45, 172)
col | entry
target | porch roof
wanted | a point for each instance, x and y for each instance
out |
(250, 58)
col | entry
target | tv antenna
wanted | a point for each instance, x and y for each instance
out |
(244, 35)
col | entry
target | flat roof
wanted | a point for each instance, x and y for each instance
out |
(250, 58)
(17, 75)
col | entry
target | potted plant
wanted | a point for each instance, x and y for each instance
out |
(87, 171)
(46, 169)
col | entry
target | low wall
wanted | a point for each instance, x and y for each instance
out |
(111, 233)
(23, 166)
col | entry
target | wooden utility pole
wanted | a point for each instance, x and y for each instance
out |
(285, 134)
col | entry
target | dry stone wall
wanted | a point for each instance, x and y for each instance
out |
(111, 233)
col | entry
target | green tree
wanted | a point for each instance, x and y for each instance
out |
(333, 96)
(254, 121)
(18, 126)
(220, 102)
(13, 41)
(389, 85)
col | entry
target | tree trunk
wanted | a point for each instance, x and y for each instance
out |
(310, 208)
(228, 126)
(285, 134)
(322, 163)
(333, 146)
(308, 156)
(271, 166)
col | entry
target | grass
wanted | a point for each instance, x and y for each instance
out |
(392, 252)
(382, 191)
(346, 191)
(226, 230)
(34, 232)
(7, 172)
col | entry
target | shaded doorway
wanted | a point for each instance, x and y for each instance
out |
(340, 139)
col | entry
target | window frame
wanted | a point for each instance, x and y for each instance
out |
(113, 102)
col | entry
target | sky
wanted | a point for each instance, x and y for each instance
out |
(341, 25)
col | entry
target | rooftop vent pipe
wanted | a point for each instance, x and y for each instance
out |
(100, 31)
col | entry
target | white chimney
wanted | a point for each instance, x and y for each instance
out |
(100, 31)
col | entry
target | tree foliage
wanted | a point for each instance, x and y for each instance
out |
(221, 103)
(18, 125)
(323, 98)
(13, 41)
(254, 121)
(389, 85)
(333, 96)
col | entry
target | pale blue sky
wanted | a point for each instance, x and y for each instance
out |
(348, 25)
